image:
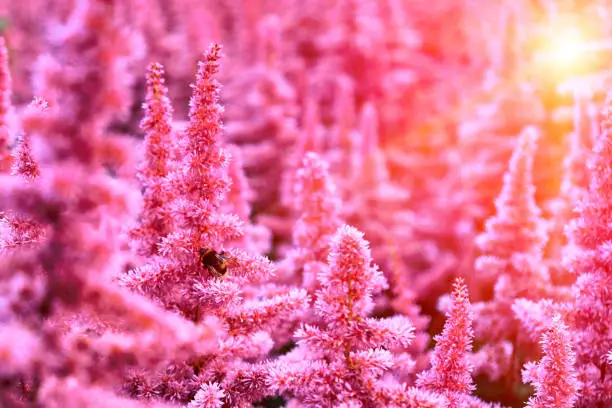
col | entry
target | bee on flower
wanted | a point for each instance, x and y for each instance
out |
(215, 262)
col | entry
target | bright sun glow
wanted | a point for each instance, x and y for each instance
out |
(566, 49)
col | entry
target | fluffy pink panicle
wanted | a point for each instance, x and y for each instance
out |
(209, 395)
(257, 237)
(450, 371)
(344, 359)
(315, 198)
(575, 178)
(240, 195)
(194, 188)
(5, 106)
(205, 112)
(225, 284)
(554, 378)
(19, 230)
(350, 281)
(512, 248)
(591, 317)
(157, 125)
(316, 202)
(511, 266)
(517, 230)
(24, 163)
(85, 76)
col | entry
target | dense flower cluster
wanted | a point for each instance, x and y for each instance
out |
(215, 204)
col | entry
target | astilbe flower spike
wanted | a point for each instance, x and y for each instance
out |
(5, 107)
(256, 237)
(65, 274)
(157, 125)
(574, 181)
(512, 263)
(590, 316)
(315, 199)
(23, 162)
(450, 371)
(554, 377)
(197, 187)
(517, 230)
(17, 230)
(98, 51)
(344, 360)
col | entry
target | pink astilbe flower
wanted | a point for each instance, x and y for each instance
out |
(17, 229)
(512, 264)
(574, 183)
(5, 107)
(308, 140)
(256, 238)
(316, 200)
(554, 377)
(514, 238)
(241, 194)
(157, 125)
(591, 316)
(86, 78)
(262, 107)
(350, 281)
(450, 371)
(197, 188)
(344, 360)
(208, 396)
(517, 230)
(70, 393)
(23, 162)
(65, 273)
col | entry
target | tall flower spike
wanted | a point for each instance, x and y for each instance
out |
(205, 112)
(450, 371)
(23, 162)
(350, 281)
(5, 106)
(591, 316)
(510, 267)
(203, 177)
(200, 182)
(344, 359)
(517, 228)
(554, 377)
(315, 197)
(157, 126)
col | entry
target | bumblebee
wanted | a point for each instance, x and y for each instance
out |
(215, 262)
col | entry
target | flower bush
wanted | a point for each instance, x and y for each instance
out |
(352, 203)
